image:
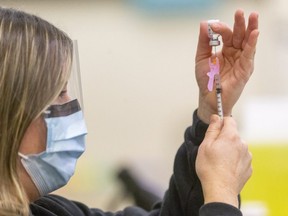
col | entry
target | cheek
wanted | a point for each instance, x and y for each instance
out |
(34, 140)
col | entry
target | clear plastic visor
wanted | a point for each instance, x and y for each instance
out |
(73, 89)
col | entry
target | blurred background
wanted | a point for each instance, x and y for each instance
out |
(139, 90)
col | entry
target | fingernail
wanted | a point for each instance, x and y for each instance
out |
(215, 26)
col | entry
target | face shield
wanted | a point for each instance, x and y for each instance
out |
(65, 138)
(72, 92)
(74, 86)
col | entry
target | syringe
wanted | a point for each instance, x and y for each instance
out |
(218, 95)
(214, 74)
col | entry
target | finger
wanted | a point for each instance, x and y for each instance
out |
(203, 48)
(239, 29)
(224, 31)
(229, 128)
(252, 25)
(246, 60)
(214, 129)
(247, 57)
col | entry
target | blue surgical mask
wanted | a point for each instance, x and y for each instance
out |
(66, 130)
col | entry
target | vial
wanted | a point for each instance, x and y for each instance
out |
(214, 41)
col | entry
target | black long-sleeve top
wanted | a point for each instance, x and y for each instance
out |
(184, 196)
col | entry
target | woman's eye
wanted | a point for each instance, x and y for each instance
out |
(63, 93)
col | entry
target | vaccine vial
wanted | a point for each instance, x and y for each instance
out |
(214, 37)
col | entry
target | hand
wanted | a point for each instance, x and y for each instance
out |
(236, 63)
(223, 163)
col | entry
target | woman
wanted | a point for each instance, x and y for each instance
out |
(42, 130)
(35, 66)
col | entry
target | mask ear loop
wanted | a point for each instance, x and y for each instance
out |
(23, 156)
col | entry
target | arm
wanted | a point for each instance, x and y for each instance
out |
(223, 166)
(236, 66)
(185, 196)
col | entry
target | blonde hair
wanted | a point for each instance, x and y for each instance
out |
(35, 61)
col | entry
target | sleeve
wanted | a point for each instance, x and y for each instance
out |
(52, 205)
(221, 209)
(185, 196)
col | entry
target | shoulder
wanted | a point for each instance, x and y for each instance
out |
(55, 205)
(51, 205)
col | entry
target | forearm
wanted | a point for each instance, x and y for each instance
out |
(185, 196)
(193, 138)
(213, 192)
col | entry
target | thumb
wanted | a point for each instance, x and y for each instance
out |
(214, 128)
(203, 47)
